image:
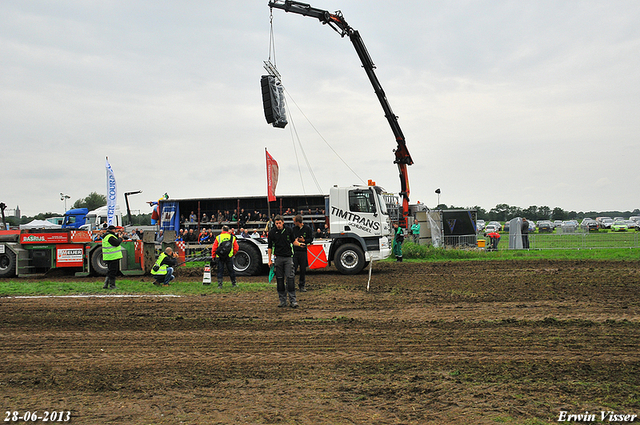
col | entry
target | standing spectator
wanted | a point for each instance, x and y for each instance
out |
(304, 235)
(160, 236)
(223, 250)
(415, 230)
(255, 234)
(111, 254)
(192, 217)
(397, 241)
(280, 242)
(163, 268)
(205, 219)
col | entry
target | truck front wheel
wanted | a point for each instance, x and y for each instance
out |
(7, 263)
(97, 263)
(349, 259)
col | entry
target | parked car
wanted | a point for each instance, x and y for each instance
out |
(497, 224)
(619, 226)
(489, 228)
(480, 225)
(569, 226)
(631, 225)
(589, 225)
(604, 222)
(557, 223)
(545, 226)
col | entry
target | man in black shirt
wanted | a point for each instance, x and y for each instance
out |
(304, 236)
(281, 243)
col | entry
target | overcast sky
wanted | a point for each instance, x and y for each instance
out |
(516, 102)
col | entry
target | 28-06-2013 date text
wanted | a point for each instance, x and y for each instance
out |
(35, 416)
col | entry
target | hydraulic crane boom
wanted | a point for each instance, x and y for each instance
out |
(337, 22)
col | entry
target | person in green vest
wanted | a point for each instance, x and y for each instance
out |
(162, 270)
(111, 255)
(397, 241)
(225, 246)
(415, 231)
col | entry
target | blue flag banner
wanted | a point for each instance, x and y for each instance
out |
(170, 216)
(112, 194)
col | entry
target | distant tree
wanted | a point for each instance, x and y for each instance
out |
(91, 202)
(558, 214)
(500, 212)
(482, 213)
(13, 221)
(139, 220)
(544, 213)
(44, 216)
(531, 212)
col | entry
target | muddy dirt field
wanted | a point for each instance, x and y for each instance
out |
(443, 343)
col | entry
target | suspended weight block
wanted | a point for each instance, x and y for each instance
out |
(273, 101)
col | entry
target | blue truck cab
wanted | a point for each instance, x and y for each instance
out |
(75, 218)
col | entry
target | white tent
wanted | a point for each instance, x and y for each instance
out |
(40, 224)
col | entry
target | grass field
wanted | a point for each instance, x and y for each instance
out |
(412, 251)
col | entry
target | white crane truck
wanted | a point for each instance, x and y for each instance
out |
(360, 232)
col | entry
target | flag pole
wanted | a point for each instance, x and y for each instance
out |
(268, 202)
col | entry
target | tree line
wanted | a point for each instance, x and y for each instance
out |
(505, 212)
(92, 202)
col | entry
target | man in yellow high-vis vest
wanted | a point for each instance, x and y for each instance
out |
(224, 248)
(111, 255)
(162, 270)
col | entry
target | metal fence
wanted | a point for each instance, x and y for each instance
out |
(594, 240)
(460, 241)
(578, 240)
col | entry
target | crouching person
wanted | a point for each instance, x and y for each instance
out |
(163, 268)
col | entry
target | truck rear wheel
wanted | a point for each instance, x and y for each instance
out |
(349, 259)
(7, 263)
(97, 263)
(247, 261)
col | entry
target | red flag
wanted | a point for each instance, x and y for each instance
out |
(272, 177)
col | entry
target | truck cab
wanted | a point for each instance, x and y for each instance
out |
(82, 218)
(359, 225)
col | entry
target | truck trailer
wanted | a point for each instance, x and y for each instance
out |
(358, 221)
(31, 252)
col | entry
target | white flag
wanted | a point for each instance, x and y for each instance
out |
(112, 195)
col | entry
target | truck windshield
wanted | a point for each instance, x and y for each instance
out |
(383, 205)
(362, 200)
